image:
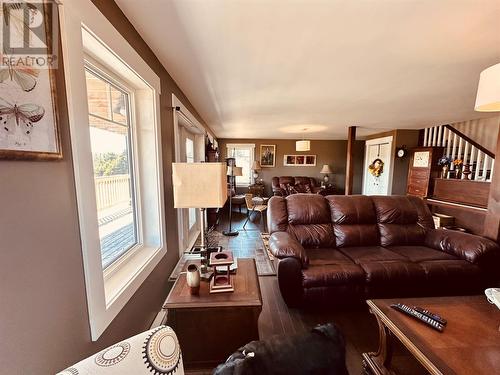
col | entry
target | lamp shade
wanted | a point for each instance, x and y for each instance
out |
(234, 171)
(326, 169)
(199, 185)
(302, 145)
(256, 166)
(488, 90)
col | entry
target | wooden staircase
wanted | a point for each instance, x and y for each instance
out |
(458, 146)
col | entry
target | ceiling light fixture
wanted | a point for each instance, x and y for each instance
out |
(303, 145)
(488, 90)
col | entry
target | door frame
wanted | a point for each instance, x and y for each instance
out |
(195, 127)
(388, 166)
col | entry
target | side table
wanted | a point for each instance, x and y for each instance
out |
(212, 326)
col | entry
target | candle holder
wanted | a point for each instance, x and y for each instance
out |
(221, 281)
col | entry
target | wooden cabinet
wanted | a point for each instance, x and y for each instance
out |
(423, 167)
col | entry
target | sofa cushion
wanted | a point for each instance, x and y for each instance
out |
(326, 256)
(333, 274)
(398, 221)
(420, 253)
(277, 215)
(307, 209)
(354, 220)
(313, 235)
(393, 278)
(371, 254)
(456, 276)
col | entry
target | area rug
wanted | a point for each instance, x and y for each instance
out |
(264, 258)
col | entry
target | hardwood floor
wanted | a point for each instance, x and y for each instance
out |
(358, 325)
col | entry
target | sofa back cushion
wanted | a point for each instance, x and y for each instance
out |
(309, 220)
(354, 220)
(398, 221)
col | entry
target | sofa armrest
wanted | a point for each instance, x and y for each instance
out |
(283, 245)
(474, 249)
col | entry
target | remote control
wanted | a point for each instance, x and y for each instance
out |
(436, 317)
(415, 314)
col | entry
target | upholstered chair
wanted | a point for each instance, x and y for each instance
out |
(152, 352)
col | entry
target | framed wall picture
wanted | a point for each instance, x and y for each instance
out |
(267, 156)
(299, 160)
(28, 102)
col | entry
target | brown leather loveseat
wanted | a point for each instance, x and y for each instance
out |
(342, 249)
(287, 185)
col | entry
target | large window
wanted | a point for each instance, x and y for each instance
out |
(244, 155)
(112, 156)
(114, 111)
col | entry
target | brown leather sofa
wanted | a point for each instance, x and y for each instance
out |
(342, 249)
(287, 185)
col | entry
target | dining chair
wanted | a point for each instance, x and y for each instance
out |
(253, 206)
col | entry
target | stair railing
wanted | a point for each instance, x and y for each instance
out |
(459, 146)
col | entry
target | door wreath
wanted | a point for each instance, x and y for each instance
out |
(376, 168)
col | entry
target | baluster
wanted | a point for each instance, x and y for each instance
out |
(448, 142)
(492, 168)
(440, 136)
(478, 164)
(426, 134)
(466, 156)
(453, 150)
(486, 166)
(471, 162)
(434, 136)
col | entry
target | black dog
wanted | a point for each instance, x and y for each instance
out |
(321, 351)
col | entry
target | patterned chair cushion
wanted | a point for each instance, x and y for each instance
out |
(152, 352)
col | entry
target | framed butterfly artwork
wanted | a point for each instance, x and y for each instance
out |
(29, 127)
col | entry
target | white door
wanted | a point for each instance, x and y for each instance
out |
(377, 178)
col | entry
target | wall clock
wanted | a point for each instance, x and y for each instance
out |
(421, 159)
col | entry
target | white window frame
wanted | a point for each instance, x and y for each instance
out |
(186, 241)
(251, 146)
(85, 31)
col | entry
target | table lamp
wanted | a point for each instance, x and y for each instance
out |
(256, 168)
(326, 170)
(200, 185)
(232, 172)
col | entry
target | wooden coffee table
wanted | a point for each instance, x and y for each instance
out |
(470, 343)
(212, 326)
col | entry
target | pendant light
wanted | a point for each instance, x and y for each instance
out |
(303, 145)
(488, 91)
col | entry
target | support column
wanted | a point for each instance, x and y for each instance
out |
(349, 173)
(492, 221)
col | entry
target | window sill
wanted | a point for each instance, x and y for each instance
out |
(127, 274)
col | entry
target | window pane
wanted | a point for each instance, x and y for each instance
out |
(113, 180)
(190, 159)
(98, 92)
(243, 159)
(119, 106)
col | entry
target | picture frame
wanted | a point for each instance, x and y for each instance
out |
(29, 115)
(299, 160)
(267, 156)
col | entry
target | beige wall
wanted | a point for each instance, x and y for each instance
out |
(44, 324)
(327, 152)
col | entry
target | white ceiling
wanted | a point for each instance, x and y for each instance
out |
(269, 68)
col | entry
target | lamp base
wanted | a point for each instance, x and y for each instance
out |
(230, 233)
